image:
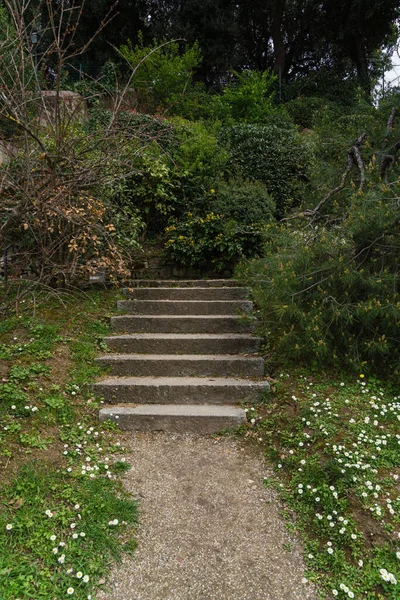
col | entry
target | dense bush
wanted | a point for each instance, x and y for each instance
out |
(248, 99)
(211, 241)
(199, 161)
(172, 174)
(163, 78)
(245, 201)
(334, 132)
(93, 89)
(275, 155)
(324, 83)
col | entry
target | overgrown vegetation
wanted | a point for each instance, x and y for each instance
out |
(327, 288)
(289, 167)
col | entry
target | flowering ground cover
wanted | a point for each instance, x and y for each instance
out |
(64, 516)
(335, 446)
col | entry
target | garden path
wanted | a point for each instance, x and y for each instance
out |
(209, 528)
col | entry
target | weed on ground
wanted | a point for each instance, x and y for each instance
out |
(64, 515)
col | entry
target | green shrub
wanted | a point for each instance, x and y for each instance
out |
(93, 89)
(248, 99)
(164, 77)
(330, 293)
(172, 174)
(141, 128)
(147, 194)
(142, 194)
(199, 161)
(211, 241)
(247, 202)
(335, 131)
(324, 83)
(276, 156)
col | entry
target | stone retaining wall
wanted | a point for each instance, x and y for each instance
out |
(152, 264)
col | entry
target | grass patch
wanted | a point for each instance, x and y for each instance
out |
(335, 446)
(64, 515)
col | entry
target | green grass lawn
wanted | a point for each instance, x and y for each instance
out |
(64, 515)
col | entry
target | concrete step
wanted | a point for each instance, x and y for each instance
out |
(180, 390)
(189, 343)
(177, 283)
(175, 418)
(182, 324)
(168, 365)
(185, 307)
(185, 293)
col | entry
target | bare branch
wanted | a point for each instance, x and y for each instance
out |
(354, 158)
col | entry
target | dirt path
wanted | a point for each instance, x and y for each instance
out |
(209, 530)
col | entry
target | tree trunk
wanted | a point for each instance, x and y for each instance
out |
(277, 38)
(361, 61)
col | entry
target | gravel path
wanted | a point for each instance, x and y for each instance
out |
(209, 530)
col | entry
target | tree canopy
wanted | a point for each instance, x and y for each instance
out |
(292, 37)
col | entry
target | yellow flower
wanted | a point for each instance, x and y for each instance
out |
(212, 191)
(362, 376)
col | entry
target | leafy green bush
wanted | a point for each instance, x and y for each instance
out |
(334, 132)
(211, 241)
(141, 127)
(141, 195)
(168, 167)
(172, 173)
(277, 156)
(164, 76)
(93, 89)
(249, 99)
(146, 195)
(247, 202)
(199, 161)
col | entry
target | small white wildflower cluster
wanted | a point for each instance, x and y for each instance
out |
(72, 389)
(330, 549)
(363, 457)
(28, 407)
(253, 418)
(388, 577)
(89, 449)
(345, 589)
(61, 548)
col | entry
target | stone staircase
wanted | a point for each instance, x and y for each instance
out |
(181, 357)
